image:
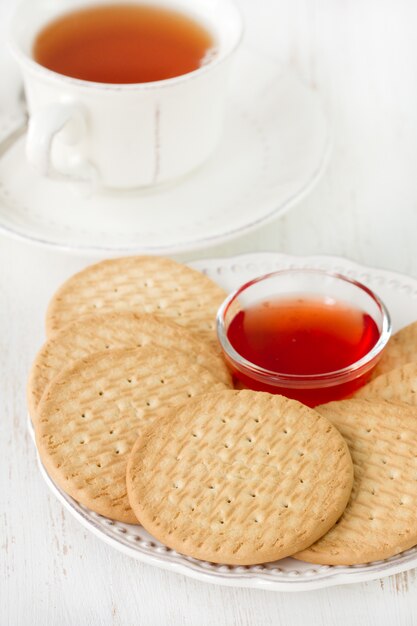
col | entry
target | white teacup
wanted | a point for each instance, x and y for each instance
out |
(124, 136)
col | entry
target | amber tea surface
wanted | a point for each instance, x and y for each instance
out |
(129, 43)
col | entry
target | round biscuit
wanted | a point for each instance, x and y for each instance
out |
(398, 385)
(401, 349)
(380, 518)
(144, 284)
(239, 477)
(92, 412)
(122, 329)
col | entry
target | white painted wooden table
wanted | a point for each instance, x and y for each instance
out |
(361, 56)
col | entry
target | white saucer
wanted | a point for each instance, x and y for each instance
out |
(274, 148)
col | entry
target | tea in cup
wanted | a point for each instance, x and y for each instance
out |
(129, 95)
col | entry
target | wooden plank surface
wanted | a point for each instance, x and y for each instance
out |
(362, 59)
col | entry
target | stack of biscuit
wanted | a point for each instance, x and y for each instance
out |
(136, 418)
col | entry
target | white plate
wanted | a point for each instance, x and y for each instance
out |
(274, 148)
(400, 295)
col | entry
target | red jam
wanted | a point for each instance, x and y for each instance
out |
(303, 336)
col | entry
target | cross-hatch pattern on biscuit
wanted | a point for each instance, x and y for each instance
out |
(92, 415)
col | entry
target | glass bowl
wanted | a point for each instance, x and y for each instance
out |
(311, 389)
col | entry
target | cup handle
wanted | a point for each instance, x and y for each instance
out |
(44, 124)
